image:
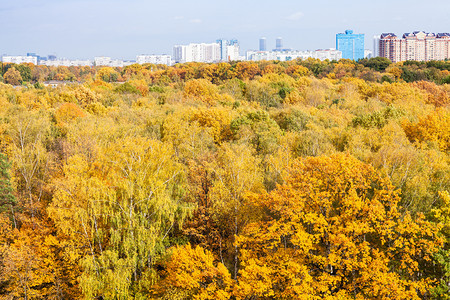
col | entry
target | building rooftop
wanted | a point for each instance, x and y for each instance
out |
(443, 35)
(388, 35)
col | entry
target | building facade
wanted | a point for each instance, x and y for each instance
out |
(154, 59)
(67, 63)
(376, 45)
(350, 44)
(108, 62)
(279, 44)
(229, 50)
(203, 52)
(417, 45)
(20, 59)
(330, 54)
(263, 44)
(368, 53)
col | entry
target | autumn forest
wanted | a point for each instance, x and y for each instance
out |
(305, 179)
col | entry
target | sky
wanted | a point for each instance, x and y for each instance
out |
(123, 29)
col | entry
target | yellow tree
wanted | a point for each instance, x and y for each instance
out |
(201, 89)
(191, 273)
(107, 74)
(217, 120)
(118, 210)
(246, 70)
(442, 215)
(236, 172)
(85, 96)
(332, 231)
(12, 76)
(32, 266)
(66, 114)
(30, 159)
(432, 128)
(297, 71)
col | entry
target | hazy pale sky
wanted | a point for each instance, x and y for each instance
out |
(126, 28)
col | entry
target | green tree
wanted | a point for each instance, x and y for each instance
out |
(25, 72)
(376, 63)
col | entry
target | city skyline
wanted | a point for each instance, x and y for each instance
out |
(82, 29)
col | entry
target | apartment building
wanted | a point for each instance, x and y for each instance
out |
(287, 55)
(107, 61)
(222, 50)
(20, 59)
(417, 45)
(67, 63)
(154, 59)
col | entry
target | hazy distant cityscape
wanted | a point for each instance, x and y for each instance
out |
(417, 45)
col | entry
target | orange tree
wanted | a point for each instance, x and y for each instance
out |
(333, 231)
(191, 273)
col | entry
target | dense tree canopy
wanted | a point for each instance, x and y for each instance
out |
(305, 179)
(333, 231)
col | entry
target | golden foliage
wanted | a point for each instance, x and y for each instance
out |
(192, 273)
(333, 231)
(12, 76)
(201, 89)
(216, 120)
(67, 113)
(105, 174)
(84, 95)
(433, 128)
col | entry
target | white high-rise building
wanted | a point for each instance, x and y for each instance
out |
(203, 52)
(154, 59)
(233, 52)
(229, 50)
(376, 45)
(20, 59)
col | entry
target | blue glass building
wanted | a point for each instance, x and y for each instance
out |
(350, 44)
(262, 44)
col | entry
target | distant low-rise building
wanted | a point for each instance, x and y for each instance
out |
(330, 54)
(368, 53)
(129, 62)
(418, 45)
(56, 83)
(20, 59)
(66, 63)
(154, 59)
(108, 62)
